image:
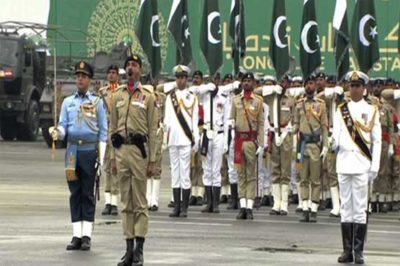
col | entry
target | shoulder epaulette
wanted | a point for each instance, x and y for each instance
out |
(319, 100)
(148, 88)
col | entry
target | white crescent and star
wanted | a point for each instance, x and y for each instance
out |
(211, 17)
(186, 30)
(277, 25)
(361, 29)
(154, 19)
(304, 34)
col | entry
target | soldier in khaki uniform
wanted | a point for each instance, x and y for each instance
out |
(248, 120)
(153, 183)
(392, 96)
(281, 107)
(382, 184)
(134, 127)
(332, 95)
(111, 189)
(310, 121)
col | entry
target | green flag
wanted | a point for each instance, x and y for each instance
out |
(310, 54)
(364, 33)
(147, 33)
(342, 39)
(178, 26)
(237, 33)
(210, 36)
(278, 47)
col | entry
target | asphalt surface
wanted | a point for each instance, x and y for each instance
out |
(35, 226)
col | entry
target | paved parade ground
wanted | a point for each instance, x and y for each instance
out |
(35, 226)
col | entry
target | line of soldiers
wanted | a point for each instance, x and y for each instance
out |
(243, 137)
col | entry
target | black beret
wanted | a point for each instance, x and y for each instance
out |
(198, 73)
(320, 75)
(135, 58)
(113, 67)
(228, 76)
(248, 75)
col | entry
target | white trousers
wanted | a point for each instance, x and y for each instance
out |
(353, 189)
(232, 173)
(264, 176)
(213, 161)
(180, 158)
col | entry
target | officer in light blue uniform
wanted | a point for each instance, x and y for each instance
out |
(83, 122)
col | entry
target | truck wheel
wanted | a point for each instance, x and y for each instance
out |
(8, 128)
(60, 144)
(28, 131)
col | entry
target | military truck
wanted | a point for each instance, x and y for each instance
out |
(22, 80)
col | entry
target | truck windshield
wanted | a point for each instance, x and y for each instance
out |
(8, 53)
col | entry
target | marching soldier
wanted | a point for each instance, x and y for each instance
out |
(153, 183)
(83, 120)
(357, 139)
(133, 135)
(311, 124)
(183, 137)
(111, 188)
(248, 120)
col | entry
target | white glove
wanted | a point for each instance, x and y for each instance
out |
(396, 94)
(372, 176)
(53, 133)
(328, 92)
(323, 154)
(278, 140)
(225, 148)
(57, 133)
(236, 84)
(211, 87)
(338, 90)
(259, 150)
(277, 89)
(102, 151)
(195, 147)
(390, 150)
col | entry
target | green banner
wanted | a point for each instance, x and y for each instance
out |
(109, 22)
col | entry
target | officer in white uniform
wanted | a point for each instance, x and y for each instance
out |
(216, 114)
(181, 118)
(357, 140)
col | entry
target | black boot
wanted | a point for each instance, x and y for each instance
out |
(264, 200)
(185, 202)
(216, 192)
(313, 217)
(224, 199)
(234, 197)
(114, 210)
(347, 240)
(249, 214)
(322, 205)
(107, 210)
(138, 252)
(359, 237)
(209, 207)
(305, 217)
(86, 243)
(192, 201)
(75, 244)
(177, 202)
(199, 201)
(242, 214)
(257, 202)
(128, 257)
